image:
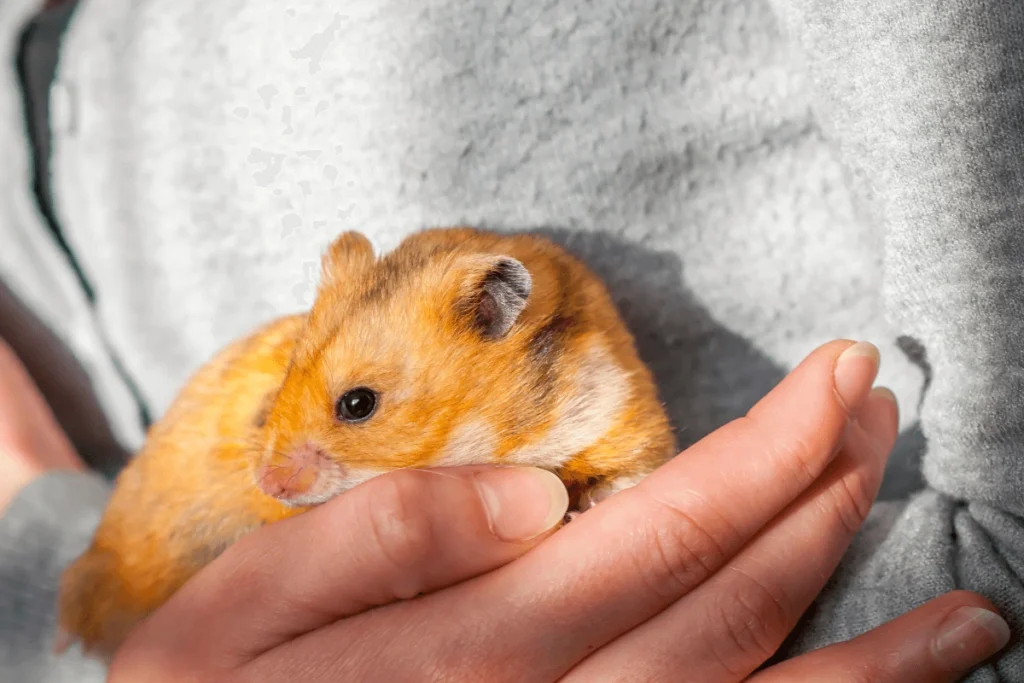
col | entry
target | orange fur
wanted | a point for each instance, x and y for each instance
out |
(563, 388)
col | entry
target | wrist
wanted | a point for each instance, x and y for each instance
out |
(19, 469)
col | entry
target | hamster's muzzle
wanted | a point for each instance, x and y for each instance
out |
(295, 475)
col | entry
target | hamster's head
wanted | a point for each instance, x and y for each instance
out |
(398, 354)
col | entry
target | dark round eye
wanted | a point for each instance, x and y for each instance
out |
(356, 405)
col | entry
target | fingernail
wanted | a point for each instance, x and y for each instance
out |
(886, 393)
(969, 636)
(882, 426)
(855, 372)
(522, 502)
(876, 424)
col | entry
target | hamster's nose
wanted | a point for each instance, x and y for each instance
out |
(286, 478)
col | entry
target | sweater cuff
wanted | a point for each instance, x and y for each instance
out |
(48, 524)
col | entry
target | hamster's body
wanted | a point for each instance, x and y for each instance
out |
(466, 347)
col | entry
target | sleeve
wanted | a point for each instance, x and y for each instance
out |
(925, 104)
(47, 525)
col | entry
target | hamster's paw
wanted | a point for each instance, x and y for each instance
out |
(607, 489)
(600, 493)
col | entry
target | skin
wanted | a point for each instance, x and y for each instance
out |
(31, 442)
(668, 562)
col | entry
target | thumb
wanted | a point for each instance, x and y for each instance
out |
(392, 538)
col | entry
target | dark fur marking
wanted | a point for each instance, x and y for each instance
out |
(202, 555)
(393, 270)
(545, 347)
(547, 342)
(377, 290)
(383, 282)
(259, 420)
(214, 540)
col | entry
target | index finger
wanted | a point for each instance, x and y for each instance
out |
(636, 553)
(391, 538)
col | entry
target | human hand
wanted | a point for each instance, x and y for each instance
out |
(700, 571)
(939, 642)
(31, 441)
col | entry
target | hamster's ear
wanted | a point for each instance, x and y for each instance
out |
(347, 255)
(494, 294)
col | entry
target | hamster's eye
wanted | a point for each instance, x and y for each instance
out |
(356, 405)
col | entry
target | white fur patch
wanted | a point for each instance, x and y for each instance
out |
(583, 417)
(473, 443)
(332, 483)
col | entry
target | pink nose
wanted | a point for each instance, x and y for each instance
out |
(294, 475)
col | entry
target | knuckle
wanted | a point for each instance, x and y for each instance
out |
(793, 450)
(799, 452)
(751, 622)
(400, 531)
(677, 551)
(868, 671)
(851, 501)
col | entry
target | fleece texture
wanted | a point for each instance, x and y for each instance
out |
(750, 177)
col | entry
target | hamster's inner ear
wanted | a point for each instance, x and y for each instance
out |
(496, 292)
(346, 256)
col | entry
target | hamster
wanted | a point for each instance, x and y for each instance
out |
(459, 347)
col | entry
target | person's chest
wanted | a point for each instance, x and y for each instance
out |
(205, 153)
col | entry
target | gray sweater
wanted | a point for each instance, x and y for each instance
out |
(751, 178)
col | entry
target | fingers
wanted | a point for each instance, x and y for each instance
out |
(939, 642)
(641, 550)
(394, 537)
(731, 624)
